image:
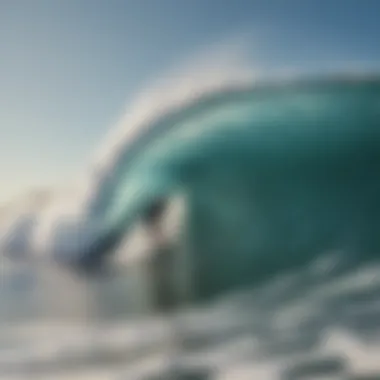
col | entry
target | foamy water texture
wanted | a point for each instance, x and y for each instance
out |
(308, 325)
(266, 243)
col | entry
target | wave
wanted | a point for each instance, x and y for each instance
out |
(272, 174)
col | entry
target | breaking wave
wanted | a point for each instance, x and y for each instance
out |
(277, 173)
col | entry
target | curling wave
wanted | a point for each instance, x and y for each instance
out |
(273, 175)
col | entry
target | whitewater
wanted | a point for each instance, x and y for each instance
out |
(273, 243)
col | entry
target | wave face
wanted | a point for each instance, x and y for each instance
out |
(273, 176)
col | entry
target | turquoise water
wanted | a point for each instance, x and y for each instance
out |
(272, 176)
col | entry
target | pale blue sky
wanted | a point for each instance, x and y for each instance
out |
(68, 67)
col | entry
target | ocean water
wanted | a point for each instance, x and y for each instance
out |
(313, 324)
(280, 240)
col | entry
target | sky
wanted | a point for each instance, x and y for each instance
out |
(69, 67)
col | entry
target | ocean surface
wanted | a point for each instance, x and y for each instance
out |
(314, 324)
(281, 188)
